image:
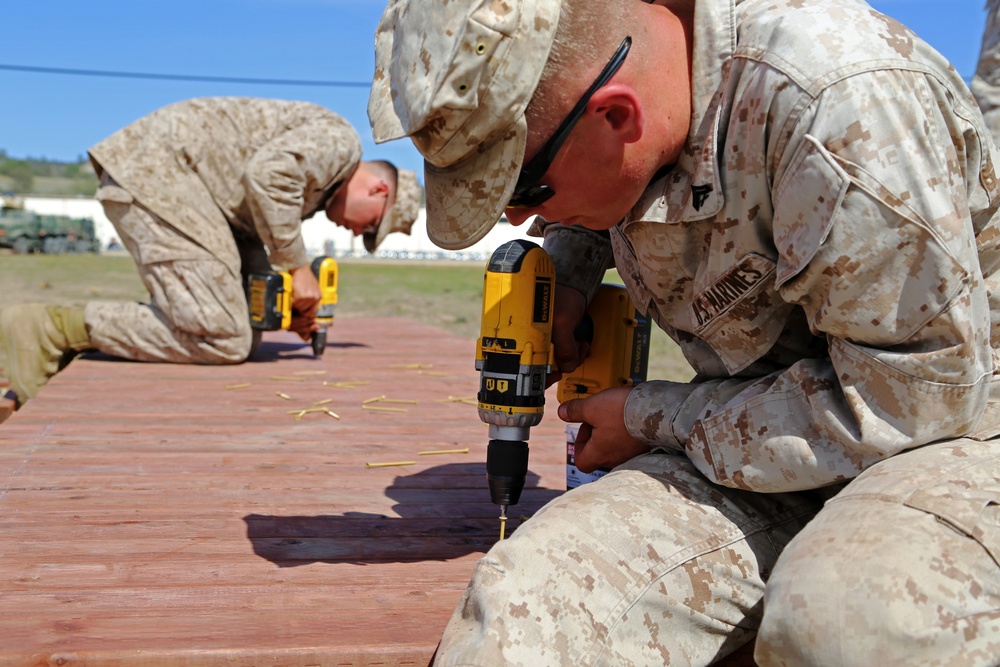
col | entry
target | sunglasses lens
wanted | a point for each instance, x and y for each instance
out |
(530, 197)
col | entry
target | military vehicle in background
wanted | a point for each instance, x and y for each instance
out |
(26, 231)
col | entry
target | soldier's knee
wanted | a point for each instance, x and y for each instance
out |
(224, 345)
(815, 615)
(792, 633)
(233, 349)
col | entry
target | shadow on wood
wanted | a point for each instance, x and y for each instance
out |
(427, 524)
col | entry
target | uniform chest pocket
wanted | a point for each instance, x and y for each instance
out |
(740, 315)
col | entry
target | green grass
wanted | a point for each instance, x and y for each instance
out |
(68, 279)
(447, 295)
(83, 185)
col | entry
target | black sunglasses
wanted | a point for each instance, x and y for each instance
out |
(528, 192)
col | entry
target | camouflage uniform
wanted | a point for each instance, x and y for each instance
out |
(197, 190)
(986, 82)
(825, 254)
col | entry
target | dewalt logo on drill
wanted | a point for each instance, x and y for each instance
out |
(258, 305)
(543, 301)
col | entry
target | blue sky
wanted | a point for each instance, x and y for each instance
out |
(58, 116)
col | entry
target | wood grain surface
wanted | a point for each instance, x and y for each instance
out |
(151, 516)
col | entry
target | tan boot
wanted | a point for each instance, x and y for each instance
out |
(39, 341)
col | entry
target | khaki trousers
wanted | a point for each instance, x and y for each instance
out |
(900, 569)
(197, 311)
(655, 565)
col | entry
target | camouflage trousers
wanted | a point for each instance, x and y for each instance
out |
(985, 84)
(654, 565)
(197, 311)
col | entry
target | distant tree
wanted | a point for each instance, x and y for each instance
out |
(43, 176)
(18, 171)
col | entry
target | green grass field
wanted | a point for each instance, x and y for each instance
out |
(444, 294)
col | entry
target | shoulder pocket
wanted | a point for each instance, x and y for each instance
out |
(804, 206)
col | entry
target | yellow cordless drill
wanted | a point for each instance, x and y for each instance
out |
(269, 296)
(514, 356)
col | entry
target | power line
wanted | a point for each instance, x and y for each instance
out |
(210, 79)
(184, 77)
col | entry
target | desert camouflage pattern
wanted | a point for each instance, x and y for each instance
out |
(829, 273)
(196, 191)
(825, 254)
(198, 308)
(986, 82)
(899, 569)
(260, 166)
(647, 566)
(429, 85)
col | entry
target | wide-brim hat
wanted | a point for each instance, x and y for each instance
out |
(456, 78)
(401, 215)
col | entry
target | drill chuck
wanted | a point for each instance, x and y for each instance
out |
(319, 342)
(506, 469)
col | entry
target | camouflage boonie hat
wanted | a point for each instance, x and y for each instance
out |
(403, 212)
(456, 76)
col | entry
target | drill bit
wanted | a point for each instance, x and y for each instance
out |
(503, 520)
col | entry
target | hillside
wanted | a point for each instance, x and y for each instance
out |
(38, 176)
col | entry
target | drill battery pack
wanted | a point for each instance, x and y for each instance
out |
(619, 356)
(269, 296)
(619, 346)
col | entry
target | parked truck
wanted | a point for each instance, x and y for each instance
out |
(27, 232)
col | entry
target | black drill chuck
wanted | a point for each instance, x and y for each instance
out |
(319, 342)
(506, 469)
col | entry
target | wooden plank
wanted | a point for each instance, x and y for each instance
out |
(151, 516)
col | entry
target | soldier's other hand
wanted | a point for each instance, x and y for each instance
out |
(569, 308)
(305, 301)
(303, 325)
(305, 291)
(603, 441)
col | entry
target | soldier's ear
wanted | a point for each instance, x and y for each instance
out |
(621, 110)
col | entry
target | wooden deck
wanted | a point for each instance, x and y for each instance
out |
(149, 515)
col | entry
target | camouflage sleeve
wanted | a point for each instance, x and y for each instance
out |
(280, 173)
(872, 227)
(581, 256)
